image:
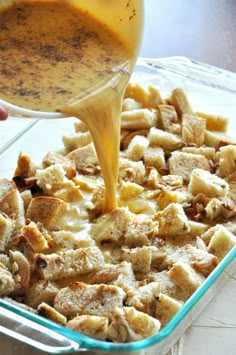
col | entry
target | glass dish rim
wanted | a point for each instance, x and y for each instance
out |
(177, 65)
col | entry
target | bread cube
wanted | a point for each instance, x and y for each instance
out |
(202, 181)
(137, 147)
(183, 164)
(166, 308)
(226, 159)
(221, 242)
(163, 139)
(193, 129)
(172, 221)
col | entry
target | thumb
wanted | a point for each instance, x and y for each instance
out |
(3, 113)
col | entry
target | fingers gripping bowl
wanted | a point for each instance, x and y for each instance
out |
(209, 90)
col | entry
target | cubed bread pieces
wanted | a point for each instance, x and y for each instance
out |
(169, 119)
(80, 126)
(20, 268)
(153, 97)
(123, 227)
(76, 140)
(46, 210)
(68, 165)
(167, 196)
(6, 186)
(193, 129)
(197, 228)
(93, 326)
(138, 119)
(173, 180)
(221, 207)
(69, 239)
(50, 313)
(137, 147)
(41, 291)
(172, 221)
(226, 160)
(144, 298)
(7, 282)
(136, 91)
(26, 196)
(154, 156)
(36, 236)
(221, 242)
(140, 231)
(180, 101)
(25, 167)
(133, 171)
(68, 263)
(85, 159)
(130, 104)
(167, 141)
(53, 181)
(152, 179)
(167, 286)
(7, 226)
(183, 164)
(185, 277)
(202, 181)
(207, 152)
(166, 308)
(80, 298)
(140, 258)
(120, 274)
(128, 325)
(217, 139)
(130, 190)
(12, 204)
(127, 136)
(214, 122)
(231, 180)
(110, 227)
(201, 260)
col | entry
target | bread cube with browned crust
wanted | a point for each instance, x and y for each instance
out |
(172, 221)
(181, 163)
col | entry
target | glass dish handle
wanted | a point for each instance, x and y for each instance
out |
(31, 333)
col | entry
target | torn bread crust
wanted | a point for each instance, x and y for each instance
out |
(69, 263)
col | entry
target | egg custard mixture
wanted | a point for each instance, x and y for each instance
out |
(52, 53)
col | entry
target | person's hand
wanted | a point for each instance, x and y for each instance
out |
(3, 113)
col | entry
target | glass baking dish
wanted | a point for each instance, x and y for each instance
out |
(209, 90)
